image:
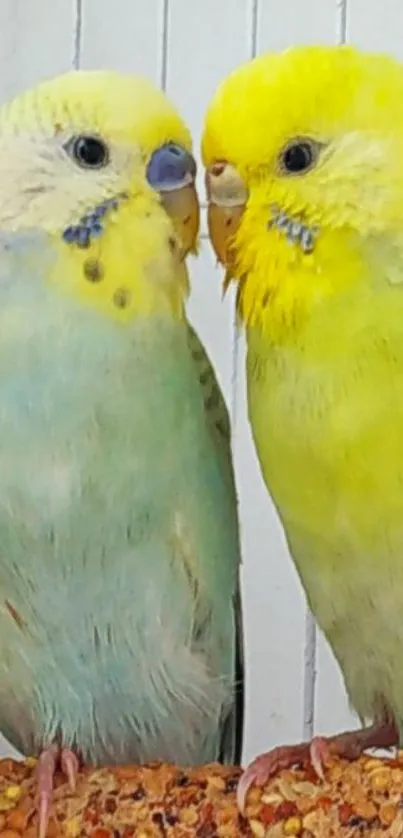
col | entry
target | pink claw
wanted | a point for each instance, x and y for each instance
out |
(267, 765)
(319, 752)
(70, 767)
(383, 733)
(45, 773)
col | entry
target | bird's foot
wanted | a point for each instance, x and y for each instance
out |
(267, 765)
(49, 761)
(347, 745)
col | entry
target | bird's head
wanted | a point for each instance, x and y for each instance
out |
(304, 175)
(101, 163)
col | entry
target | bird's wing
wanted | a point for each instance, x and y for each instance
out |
(219, 424)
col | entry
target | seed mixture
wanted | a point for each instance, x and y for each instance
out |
(363, 799)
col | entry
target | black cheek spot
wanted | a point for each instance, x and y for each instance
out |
(121, 298)
(93, 270)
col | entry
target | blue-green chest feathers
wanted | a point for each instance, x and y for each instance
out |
(119, 538)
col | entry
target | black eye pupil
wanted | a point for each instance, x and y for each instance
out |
(298, 157)
(90, 152)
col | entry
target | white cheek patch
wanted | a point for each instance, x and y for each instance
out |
(43, 188)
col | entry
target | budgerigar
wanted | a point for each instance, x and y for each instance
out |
(120, 617)
(304, 151)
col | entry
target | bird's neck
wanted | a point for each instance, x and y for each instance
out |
(50, 335)
(286, 298)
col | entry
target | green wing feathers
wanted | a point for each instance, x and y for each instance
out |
(219, 424)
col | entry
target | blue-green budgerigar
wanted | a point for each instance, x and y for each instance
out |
(120, 617)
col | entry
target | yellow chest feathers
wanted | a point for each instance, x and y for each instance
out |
(327, 414)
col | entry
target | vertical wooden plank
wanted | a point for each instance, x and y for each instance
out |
(332, 710)
(295, 23)
(202, 48)
(341, 23)
(124, 35)
(376, 26)
(36, 41)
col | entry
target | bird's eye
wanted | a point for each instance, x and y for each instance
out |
(298, 157)
(88, 152)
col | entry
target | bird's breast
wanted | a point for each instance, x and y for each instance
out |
(95, 608)
(328, 436)
(85, 406)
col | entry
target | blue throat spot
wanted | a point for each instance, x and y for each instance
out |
(91, 225)
(294, 229)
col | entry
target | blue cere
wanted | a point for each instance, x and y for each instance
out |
(170, 167)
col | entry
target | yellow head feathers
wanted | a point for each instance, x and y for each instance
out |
(123, 108)
(313, 136)
(101, 162)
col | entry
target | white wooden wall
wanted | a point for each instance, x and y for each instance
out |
(187, 46)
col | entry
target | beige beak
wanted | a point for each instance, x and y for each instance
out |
(182, 205)
(227, 197)
(171, 171)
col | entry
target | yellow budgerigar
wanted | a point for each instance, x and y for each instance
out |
(120, 618)
(304, 157)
